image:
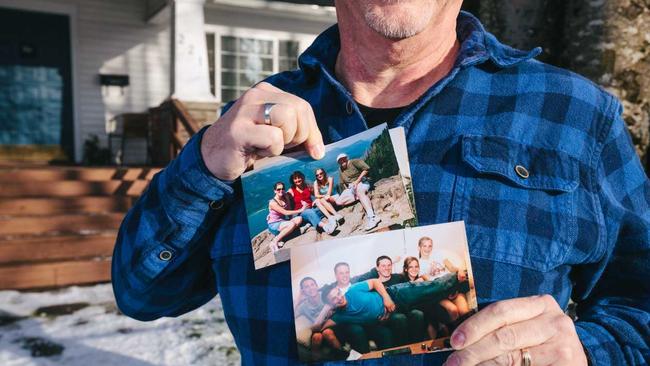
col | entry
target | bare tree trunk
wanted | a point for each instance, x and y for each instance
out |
(609, 42)
(526, 24)
(606, 41)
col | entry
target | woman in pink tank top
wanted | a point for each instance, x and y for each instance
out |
(279, 222)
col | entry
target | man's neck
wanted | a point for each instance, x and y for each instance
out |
(386, 73)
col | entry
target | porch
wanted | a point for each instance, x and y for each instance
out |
(69, 170)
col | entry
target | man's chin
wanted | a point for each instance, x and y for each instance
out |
(397, 20)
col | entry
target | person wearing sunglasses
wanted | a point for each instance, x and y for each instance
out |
(323, 188)
(279, 222)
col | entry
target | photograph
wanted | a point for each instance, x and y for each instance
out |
(357, 188)
(382, 294)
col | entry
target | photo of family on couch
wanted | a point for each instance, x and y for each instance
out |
(356, 189)
(401, 291)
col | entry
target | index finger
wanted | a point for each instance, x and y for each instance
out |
(497, 315)
(313, 142)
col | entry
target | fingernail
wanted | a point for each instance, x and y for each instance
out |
(318, 151)
(457, 339)
(452, 361)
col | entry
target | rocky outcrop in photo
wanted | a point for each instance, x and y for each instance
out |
(389, 201)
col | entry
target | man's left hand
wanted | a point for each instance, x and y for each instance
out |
(497, 334)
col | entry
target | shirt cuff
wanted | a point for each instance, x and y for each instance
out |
(189, 190)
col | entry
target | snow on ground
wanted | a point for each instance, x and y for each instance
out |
(81, 326)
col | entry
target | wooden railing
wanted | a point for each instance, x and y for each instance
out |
(172, 124)
(183, 128)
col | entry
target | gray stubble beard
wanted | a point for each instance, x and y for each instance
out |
(395, 28)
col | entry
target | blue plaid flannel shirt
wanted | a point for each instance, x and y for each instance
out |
(577, 227)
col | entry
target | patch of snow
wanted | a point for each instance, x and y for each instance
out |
(99, 335)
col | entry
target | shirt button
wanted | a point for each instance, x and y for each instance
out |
(216, 205)
(522, 172)
(348, 107)
(165, 255)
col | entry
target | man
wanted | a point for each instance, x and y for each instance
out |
(353, 174)
(342, 276)
(536, 160)
(311, 307)
(383, 270)
(356, 334)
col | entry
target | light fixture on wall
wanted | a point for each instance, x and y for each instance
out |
(109, 80)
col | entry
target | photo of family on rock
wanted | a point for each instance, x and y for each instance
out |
(356, 189)
(397, 292)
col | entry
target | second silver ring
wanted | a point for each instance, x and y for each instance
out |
(267, 113)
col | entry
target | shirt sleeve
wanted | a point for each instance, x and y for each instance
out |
(372, 273)
(614, 312)
(360, 164)
(161, 263)
(360, 287)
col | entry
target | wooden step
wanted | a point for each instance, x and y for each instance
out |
(72, 223)
(52, 248)
(72, 188)
(48, 275)
(54, 206)
(47, 173)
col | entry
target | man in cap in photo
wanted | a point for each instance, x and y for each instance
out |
(353, 174)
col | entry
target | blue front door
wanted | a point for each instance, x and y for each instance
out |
(35, 84)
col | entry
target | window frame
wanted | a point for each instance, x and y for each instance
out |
(303, 40)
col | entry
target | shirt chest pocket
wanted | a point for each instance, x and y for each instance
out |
(518, 201)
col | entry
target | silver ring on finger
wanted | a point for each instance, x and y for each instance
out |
(267, 113)
(526, 360)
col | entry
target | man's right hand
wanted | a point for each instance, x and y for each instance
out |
(389, 305)
(240, 136)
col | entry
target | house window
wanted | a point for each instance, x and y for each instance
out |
(237, 63)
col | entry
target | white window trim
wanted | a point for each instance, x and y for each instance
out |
(304, 40)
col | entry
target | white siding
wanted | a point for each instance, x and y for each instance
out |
(111, 36)
(266, 19)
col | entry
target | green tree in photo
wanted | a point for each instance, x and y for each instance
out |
(381, 159)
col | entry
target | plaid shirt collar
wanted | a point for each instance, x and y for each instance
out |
(476, 46)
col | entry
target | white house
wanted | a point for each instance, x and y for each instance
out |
(67, 67)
